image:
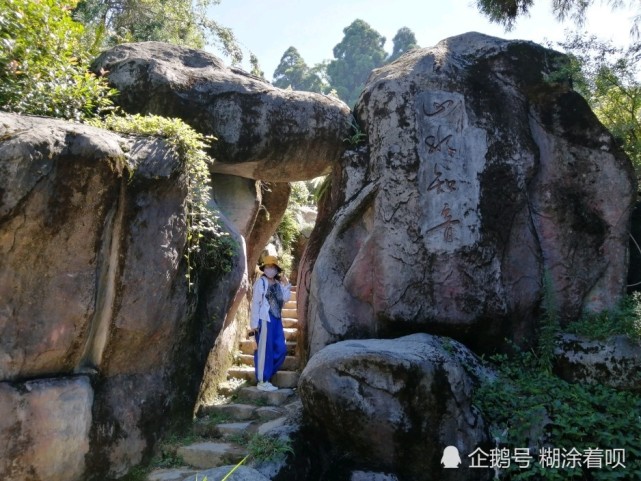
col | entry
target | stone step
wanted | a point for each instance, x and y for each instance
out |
(291, 333)
(242, 372)
(285, 379)
(267, 413)
(293, 313)
(290, 322)
(290, 363)
(235, 411)
(273, 398)
(229, 387)
(293, 297)
(176, 474)
(211, 454)
(273, 424)
(247, 347)
(290, 305)
(234, 428)
(280, 379)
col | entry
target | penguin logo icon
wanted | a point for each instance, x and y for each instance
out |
(451, 458)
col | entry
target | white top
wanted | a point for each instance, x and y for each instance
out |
(260, 305)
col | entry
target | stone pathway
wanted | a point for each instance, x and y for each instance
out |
(222, 428)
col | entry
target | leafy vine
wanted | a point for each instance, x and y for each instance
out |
(207, 243)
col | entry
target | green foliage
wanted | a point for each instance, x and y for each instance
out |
(549, 325)
(506, 12)
(208, 245)
(43, 62)
(530, 407)
(300, 194)
(608, 77)
(292, 71)
(360, 51)
(357, 136)
(180, 22)
(320, 185)
(261, 448)
(256, 70)
(267, 448)
(624, 319)
(288, 230)
(403, 41)
(138, 473)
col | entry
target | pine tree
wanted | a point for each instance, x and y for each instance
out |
(360, 51)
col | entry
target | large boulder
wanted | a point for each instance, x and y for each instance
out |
(614, 362)
(484, 178)
(92, 279)
(263, 132)
(394, 405)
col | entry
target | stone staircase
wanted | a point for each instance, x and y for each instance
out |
(219, 434)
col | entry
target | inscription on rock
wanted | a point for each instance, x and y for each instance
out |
(452, 154)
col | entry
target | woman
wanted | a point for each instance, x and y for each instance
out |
(271, 291)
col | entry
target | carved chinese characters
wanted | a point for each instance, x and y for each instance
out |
(451, 156)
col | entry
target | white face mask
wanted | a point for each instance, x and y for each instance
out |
(271, 272)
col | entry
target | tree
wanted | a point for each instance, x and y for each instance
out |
(43, 62)
(256, 70)
(506, 12)
(404, 41)
(182, 22)
(360, 51)
(292, 71)
(608, 77)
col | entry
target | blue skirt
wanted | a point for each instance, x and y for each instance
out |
(271, 352)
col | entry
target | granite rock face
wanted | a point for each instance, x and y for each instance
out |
(263, 132)
(395, 404)
(44, 429)
(634, 272)
(480, 176)
(92, 281)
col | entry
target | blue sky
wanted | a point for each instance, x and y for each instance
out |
(269, 27)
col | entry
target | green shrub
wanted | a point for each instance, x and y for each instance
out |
(288, 230)
(300, 194)
(549, 325)
(266, 448)
(530, 407)
(43, 64)
(624, 319)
